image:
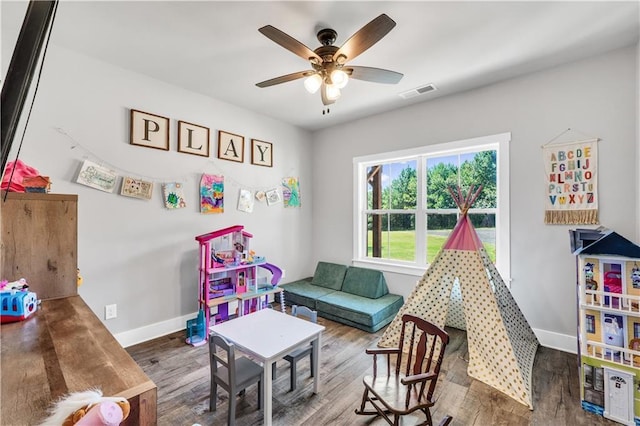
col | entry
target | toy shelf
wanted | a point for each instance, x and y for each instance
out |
(228, 272)
(259, 294)
(220, 269)
(220, 300)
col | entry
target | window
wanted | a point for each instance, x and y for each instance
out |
(591, 323)
(403, 211)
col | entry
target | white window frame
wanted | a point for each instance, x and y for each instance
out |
(498, 142)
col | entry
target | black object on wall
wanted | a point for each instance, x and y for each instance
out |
(24, 63)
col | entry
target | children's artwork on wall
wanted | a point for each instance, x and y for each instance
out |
(273, 196)
(571, 182)
(211, 194)
(173, 195)
(245, 201)
(136, 188)
(97, 177)
(291, 192)
(261, 196)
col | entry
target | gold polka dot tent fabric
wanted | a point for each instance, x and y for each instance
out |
(463, 289)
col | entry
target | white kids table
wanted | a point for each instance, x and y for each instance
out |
(269, 335)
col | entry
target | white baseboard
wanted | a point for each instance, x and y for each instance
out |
(148, 332)
(548, 339)
(553, 340)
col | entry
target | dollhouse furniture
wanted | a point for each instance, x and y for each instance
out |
(410, 385)
(295, 356)
(228, 272)
(40, 360)
(267, 336)
(358, 297)
(609, 325)
(232, 374)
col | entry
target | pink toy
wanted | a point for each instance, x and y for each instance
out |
(106, 413)
(88, 408)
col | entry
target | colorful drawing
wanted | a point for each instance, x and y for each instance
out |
(211, 194)
(136, 188)
(291, 192)
(245, 201)
(97, 177)
(273, 196)
(173, 195)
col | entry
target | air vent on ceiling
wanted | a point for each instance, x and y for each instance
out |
(418, 91)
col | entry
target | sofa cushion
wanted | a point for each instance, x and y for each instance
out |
(365, 282)
(329, 275)
(304, 293)
(358, 309)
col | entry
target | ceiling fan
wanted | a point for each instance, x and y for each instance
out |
(330, 71)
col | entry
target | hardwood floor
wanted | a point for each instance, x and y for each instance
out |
(181, 373)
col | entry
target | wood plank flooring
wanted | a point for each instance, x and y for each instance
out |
(181, 373)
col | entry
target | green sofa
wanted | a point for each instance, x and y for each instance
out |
(355, 296)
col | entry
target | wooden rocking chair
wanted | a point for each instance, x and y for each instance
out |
(397, 393)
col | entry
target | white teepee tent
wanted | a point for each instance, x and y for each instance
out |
(463, 289)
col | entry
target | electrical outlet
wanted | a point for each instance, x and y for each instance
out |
(110, 311)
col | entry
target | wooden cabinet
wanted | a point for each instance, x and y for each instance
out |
(63, 347)
(39, 242)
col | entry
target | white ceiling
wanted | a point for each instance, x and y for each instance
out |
(214, 48)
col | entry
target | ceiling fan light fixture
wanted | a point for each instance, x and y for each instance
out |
(313, 83)
(339, 78)
(333, 92)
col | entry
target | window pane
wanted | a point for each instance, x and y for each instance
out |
(374, 188)
(479, 168)
(464, 170)
(485, 225)
(402, 187)
(439, 227)
(394, 237)
(442, 173)
(392, 186)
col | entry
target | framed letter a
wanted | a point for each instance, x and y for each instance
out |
(230, 146)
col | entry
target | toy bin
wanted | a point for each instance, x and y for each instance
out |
(18, 305)
(196, 330)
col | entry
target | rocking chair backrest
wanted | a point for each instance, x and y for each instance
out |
(426, 344)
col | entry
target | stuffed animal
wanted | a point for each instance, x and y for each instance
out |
(19, 285)
(88, 408)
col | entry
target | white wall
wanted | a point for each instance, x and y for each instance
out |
(135, 253)
(596, 97)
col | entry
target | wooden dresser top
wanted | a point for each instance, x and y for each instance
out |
(63, 348)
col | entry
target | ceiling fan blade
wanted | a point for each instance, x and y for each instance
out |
(366, 37)
(323, 94)
(376, 75)
(285, 78)
(289, 43)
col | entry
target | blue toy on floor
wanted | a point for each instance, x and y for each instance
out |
(196, 330)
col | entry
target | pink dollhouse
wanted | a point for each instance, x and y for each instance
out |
(228, 272)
